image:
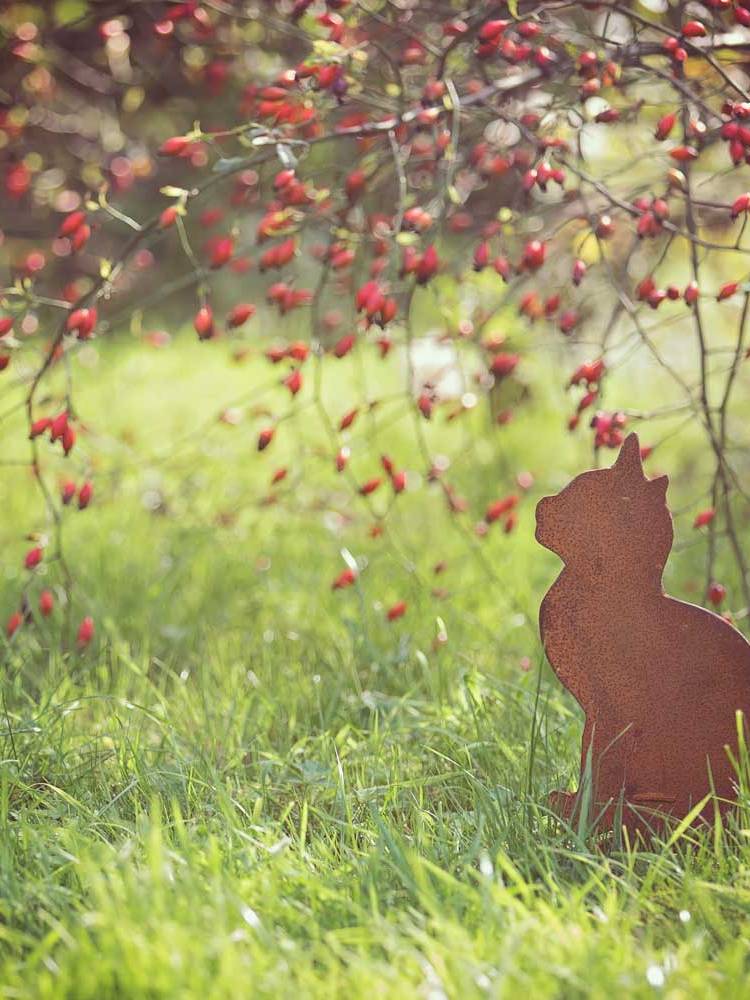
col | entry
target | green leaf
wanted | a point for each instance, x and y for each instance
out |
(67, 11)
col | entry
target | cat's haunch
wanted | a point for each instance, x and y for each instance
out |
(660, 681)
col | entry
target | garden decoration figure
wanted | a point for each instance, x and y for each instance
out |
(661, 682)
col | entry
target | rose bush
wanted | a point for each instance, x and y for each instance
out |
(446, 191)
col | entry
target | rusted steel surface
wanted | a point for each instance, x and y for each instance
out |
(660, 681)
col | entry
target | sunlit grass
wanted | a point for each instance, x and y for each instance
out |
(252, 785)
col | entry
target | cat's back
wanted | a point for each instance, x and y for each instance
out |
(699, 649)
(691, 627)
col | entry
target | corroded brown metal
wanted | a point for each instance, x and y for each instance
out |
(660, 681)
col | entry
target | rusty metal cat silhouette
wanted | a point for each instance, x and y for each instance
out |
(660, 681)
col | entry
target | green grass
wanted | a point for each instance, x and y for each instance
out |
(251, 785)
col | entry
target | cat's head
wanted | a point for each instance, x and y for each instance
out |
(610, 522)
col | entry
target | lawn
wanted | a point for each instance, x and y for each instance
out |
(253, 785)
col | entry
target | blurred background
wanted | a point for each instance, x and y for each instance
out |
(194, 528)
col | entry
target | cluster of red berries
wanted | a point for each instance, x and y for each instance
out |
(588, 374)
(85, 493)
(495, 39)
(609, 429)
(504, 509)
(654, 212)
(372, 300)
(736, 130)
(59, 428)
(75, 227)
(82, 322)
(278, 256)
(85, 632)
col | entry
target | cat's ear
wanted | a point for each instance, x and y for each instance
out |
(659, 485)
(629, 460)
